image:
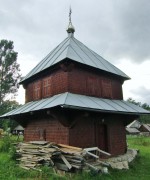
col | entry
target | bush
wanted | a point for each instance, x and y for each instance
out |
(6, 144)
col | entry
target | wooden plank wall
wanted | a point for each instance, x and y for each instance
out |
(77, 81)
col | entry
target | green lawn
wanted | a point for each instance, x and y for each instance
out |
(139, 169)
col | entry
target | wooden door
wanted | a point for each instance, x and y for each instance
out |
(101, 136)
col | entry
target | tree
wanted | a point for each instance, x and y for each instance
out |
(5, 107)
(146, 106)
(134, 102)
(8, 106)
(9, 70)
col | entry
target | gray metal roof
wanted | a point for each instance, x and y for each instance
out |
(19, 128)
(146, 127)
(75, 50)
(74, 101)
(134, 124)
(132, 130)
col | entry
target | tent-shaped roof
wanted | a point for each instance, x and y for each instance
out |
(81, 102)
(74, 50)
(146, 127)
(134, 124)
(19, 128)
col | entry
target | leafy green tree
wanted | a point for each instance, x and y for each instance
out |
(9, 80)
(9, 70)
(8, 106)
(134, 102)
(5, 107)
(146, 106)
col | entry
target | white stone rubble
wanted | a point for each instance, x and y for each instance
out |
(122, 161)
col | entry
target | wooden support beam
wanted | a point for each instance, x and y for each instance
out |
(97, 149)
(70, 147)
(91, 154)
(65, 161)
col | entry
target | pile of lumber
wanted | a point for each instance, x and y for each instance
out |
(34, 154)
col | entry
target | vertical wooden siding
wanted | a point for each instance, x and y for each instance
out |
(92, 84)
(37, 87)
(53, 84)
(77, 81)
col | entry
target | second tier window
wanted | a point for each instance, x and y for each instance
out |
(37, 90)
(47, 86)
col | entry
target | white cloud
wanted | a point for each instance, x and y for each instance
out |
(139, 86)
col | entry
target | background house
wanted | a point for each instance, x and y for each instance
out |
(137, 127)
(132, 131)
(18, 129)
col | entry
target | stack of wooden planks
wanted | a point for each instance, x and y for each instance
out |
(32, 155)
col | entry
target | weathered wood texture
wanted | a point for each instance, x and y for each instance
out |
(86, 132)
(78, 81)
(46, 86)
(46, 129)
(31, 155)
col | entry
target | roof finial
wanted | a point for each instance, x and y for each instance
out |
(70, 15)
(70, 28)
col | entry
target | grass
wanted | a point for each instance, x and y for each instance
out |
(139, 169)
(9, 170)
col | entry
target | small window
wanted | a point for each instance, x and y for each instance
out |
(47, 87)
(37, 90)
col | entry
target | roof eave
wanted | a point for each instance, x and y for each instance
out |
(53, 66)
(103, 111)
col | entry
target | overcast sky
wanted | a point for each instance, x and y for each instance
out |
(117, 30)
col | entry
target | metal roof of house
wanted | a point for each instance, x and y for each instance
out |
(132, 130)
(146, 127)
(19, 128)
(75, 101)
(74, 50)
(134, 124)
